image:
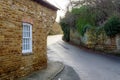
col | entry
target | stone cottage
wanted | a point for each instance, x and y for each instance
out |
(23, 32)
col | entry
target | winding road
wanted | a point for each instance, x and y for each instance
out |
(88, 65)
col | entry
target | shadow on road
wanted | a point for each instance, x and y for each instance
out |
(67, 74)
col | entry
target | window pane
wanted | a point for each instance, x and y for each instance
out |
(25, 41)
(25, 28)
(28, 34)
(28, 28)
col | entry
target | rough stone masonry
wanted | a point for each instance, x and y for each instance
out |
(13, 13)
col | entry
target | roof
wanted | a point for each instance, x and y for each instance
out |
(46, 4)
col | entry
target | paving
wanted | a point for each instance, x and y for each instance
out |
(52, 70)
(87, 65)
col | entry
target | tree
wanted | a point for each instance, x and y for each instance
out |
(90, 13)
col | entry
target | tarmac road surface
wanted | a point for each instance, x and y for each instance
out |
(88, 65)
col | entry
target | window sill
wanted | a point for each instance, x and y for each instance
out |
(27, 54)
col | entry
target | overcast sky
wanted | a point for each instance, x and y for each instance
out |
(61, 4)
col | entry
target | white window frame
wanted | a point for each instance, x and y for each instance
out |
(29, 43)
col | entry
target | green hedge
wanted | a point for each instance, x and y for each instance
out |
(112, 26)
(66, 31)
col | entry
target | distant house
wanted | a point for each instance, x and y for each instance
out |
(23, 34)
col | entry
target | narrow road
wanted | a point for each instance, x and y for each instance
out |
(89, 66)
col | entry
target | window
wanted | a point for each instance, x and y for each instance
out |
(27, 38)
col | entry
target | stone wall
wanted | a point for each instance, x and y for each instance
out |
(118, 42)
(101, 42)
(74, 37)
(13, 13)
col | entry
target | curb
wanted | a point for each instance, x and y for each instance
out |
(58, 72)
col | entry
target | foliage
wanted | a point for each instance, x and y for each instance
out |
(85, 17)
(93, 17)
(66, 31)
(85, 28)
(89, 15)
(101, 9)
(99, 30)
(112, 26)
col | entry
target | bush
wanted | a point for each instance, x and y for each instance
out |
(112, 26)
(66, 31)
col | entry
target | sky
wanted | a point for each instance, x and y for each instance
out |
(61, 4)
